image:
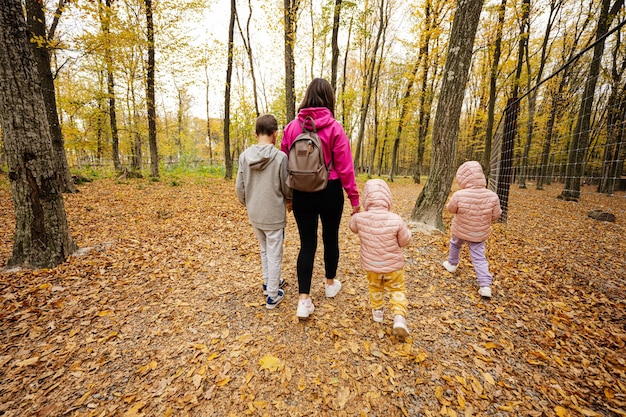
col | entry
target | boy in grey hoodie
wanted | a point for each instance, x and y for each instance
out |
(261, 186)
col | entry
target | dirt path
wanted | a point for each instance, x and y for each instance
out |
(164, 316)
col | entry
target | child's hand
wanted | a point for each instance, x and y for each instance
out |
(356, 209)
(289, 205)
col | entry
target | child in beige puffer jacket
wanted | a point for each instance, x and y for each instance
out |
(383, 234)
(475, 207)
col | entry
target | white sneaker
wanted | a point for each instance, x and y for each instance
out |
(305, 308)
(451, 268)
(332, 290)
(399, 326)
(485, 292)
(378, 315)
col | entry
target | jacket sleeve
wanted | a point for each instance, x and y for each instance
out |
(453, 204)
(287, 191)
(239, 183)
(353, 223)
(497, 210)
(343, 165)
(404, 234)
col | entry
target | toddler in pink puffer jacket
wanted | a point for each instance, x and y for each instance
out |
(475, 207)
(383, 234)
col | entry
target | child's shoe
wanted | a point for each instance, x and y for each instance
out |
(485, 292)
(378, 315)
(280, 285)
(451, 268)
(399, 326)
(332, 290)
(273, 302)
(305, 308)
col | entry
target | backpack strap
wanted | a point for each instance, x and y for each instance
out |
(314, 130)
(303, 124)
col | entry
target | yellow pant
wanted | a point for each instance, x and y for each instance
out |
(393, 283)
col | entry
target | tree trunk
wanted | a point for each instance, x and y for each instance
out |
(493, 77)
(424, 101)
(105, 19)
(335, 45)
(291, 9)
(615, 120)
(248, 46)
(580, 137)
(40, 43)
(209, 139)
(367, 93)
(150, 102)
(433, 197)
(42, 238)
(343, 78)
(228, 162)
(555, 5)
(403, 110)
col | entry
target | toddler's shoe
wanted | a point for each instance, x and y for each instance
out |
(273, 302)
(305, 308)
(280, 285)
(451, 268)
(485, 292)
(378, 315)
(332, 290)
(399, 326)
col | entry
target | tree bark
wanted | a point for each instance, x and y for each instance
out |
(291, 9)
(580, 137)
(424, 98)
(41, 43)
(433, 197)
(247, 44)
(228, 162)
(367, 93)
(150, 101)
(493, 77)
(42, 238)
(105, 24)
(403, 110)
(335, 45)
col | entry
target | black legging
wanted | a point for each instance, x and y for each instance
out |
(326, 205)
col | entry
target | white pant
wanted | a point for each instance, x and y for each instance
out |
(271, 243)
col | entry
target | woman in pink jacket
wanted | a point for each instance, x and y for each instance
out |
(325, 205)
(383, 234)
(475, 207)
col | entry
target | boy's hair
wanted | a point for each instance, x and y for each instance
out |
(266, 125)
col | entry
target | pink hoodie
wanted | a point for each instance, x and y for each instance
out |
(475, 206)
(335, 144)
(382, 233)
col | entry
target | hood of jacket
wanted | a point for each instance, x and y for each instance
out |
(470, 175)
(321, 115)
(376, 195)
(259, 156)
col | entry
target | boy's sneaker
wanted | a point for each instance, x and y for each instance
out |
(332, 290)
(273, 302)
(280, 285)
(305, 308)
(485, 292)
(399, 326)
(451, 268)
(378, 315)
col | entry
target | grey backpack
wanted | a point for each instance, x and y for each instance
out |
(307, 169)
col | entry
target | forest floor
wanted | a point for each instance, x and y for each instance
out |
(161, 313)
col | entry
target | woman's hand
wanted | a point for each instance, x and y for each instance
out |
(356, 209)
